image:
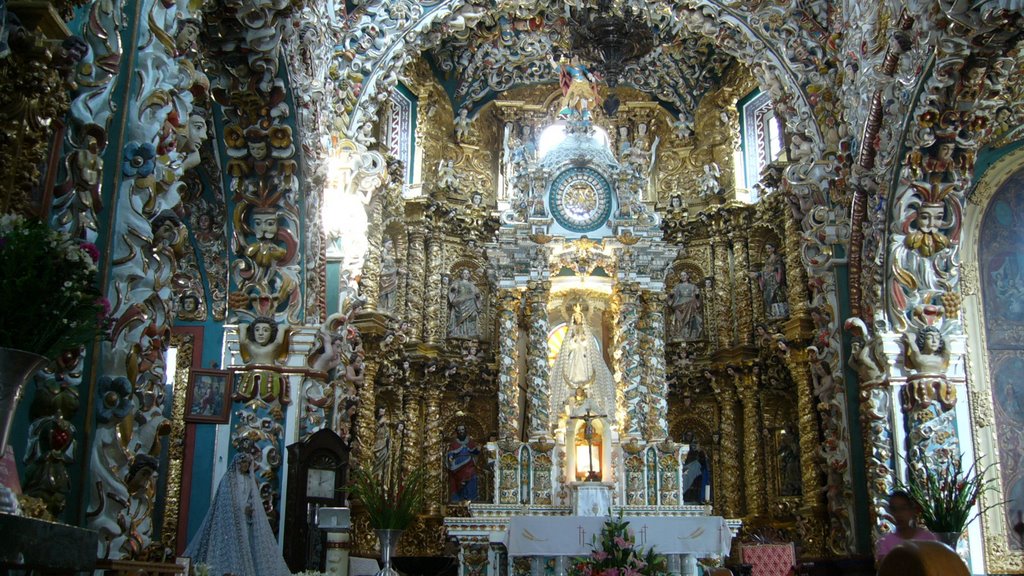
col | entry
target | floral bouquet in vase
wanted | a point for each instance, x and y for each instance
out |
(50, 302)
(616, 554)
(947, 493)
(50, 295)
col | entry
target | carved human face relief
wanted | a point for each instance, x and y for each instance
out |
(196, 130)
(929, 217)
(261, 333)
(264, 225)
(258, 150)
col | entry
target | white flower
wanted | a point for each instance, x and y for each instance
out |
(8, 222)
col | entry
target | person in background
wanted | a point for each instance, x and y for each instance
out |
(904, 510)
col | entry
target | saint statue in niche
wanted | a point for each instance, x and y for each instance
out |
(388, 278)
(579, 379)
(464, 304)
(383, 447)
(579, 368)
(772, 280)
(687, 318)
(461, 463)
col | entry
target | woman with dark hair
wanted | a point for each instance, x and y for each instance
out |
(904, 510)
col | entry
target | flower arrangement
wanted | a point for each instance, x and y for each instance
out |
(947, 494)
(392, 503)
(51, 299)
(618, 555)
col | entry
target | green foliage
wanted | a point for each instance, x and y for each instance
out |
(49, 293)
(391, 504)
(617, 555)
(947, 493)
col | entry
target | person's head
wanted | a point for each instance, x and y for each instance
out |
(464, 273)
(903, 508)
(460, 431)
(263, 330)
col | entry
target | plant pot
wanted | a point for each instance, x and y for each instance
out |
(388, 544)
(16, 366)
(950, 539)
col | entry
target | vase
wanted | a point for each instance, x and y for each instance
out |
(388, 544)
(16, 367)
(950, 539)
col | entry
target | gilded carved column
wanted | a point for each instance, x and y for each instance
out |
(537, 357)
(370, 285)
(412, 447)
(723, 293)
(729, 475)
(708, 293)
(416, 277)
(433, 447)
(34, 94)
(434, 324)
(753, 453)
(810, 469)
(807, 426)
(401, 262)
(743, 311)
(654, 370)
(365, 424)
(796, 270)
(508, 364)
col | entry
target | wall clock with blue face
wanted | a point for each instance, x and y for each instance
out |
(580, 200)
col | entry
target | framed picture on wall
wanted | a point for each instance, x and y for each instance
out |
(209, 396)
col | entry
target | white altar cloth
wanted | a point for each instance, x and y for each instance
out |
(573, 535)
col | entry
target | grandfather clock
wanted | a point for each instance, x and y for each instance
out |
(317, 472)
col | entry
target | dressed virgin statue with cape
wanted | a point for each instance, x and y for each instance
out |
(580, 365)
(235, 537)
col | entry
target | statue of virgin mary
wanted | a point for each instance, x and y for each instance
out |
(580, 366)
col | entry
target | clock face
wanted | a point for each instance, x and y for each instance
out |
(320, 484)
(580, 200)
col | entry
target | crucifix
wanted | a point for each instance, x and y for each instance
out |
(588, 435)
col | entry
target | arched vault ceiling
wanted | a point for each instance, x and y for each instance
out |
(503, 52)
(788, 60)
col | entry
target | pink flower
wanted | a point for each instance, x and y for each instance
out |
(103, 303)
(610, 572)
(599, 555)
(91, 249)
(621, 542)
(631, 572)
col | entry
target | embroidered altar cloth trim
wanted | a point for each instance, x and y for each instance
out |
(573, 535)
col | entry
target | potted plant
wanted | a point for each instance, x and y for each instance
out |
(617, 555)
(51, 303)
(392, 504)
(946, 493)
